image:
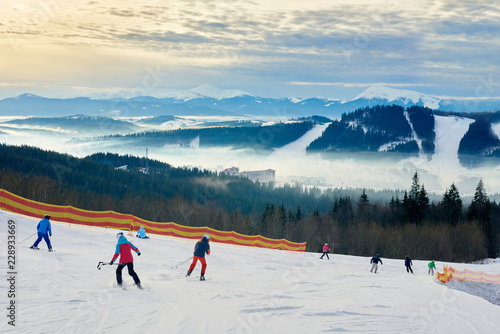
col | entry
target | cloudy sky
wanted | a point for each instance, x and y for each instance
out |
(270, 48)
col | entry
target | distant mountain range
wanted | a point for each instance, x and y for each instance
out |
(207, 100)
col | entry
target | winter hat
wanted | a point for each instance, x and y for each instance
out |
(377, 254)
(47, 217)
(119, 235)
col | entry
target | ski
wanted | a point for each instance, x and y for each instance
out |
(48, 250)
(122, 286)
(197, 278)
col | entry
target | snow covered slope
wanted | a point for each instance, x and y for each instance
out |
(398, 95)
(249, 290)
(298, 147)
(209, 91)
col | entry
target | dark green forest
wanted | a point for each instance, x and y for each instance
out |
(357, 224)
(258, 137)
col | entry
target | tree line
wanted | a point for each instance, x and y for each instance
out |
(412, 224)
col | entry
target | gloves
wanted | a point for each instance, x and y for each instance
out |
(138, 253)
(111, 263)
(50, 234)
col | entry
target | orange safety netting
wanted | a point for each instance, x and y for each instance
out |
(450, 273)
(110, 219)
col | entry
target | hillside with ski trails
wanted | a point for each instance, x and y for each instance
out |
(248, 290)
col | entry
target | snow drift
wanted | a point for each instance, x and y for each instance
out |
(249, 290)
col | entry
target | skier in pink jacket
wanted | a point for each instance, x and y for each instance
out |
(325, 251)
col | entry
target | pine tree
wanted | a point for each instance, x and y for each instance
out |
(451, 205)
(480, 210)
(416, 203)
(298, 216)
(363, 209)
(422, 203)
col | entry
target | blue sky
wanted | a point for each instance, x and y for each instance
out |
(269, 48)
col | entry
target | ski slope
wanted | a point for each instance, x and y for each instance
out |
(299, 146)
(249, 290)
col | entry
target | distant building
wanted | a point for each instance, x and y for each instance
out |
(233, 171)
(124, 167)
(263, 176)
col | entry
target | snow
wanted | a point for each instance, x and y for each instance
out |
(496, 129)
(449, 132)
(299, 146)
(209, 91)
(249, 290)
(391, 94)
(413, 133)
(389, 146)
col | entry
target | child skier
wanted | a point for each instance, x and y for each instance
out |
(44, 231)
(431, 266)
(408, 264)
(200, 249)
(142, 233)
(123, 248)
(374, 261)
(325, 251)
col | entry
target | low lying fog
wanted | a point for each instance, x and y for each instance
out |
(354, 170)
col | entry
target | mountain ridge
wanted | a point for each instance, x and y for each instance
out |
(209, 100)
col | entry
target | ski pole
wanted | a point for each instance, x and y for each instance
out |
(182, 262)
(27, 238)
(100, 264)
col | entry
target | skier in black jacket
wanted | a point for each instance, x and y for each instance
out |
(408, 264)
(374, 261)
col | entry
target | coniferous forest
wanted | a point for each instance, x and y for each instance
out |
(410, 224)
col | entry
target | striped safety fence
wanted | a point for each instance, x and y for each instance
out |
(463, 275)
(110, 219)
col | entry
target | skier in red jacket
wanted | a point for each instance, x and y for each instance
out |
(124, 248)
(325, 251)
(200, 249)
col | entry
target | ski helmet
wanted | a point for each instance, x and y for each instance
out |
(119, 235)
(47, 217)
(206, 237)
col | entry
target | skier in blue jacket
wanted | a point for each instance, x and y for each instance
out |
(408, 264)
(124, 249)
(44, 231)
(142, 233)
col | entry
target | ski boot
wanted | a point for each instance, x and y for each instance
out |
(189, 273)
(202, 277)
(34, 247)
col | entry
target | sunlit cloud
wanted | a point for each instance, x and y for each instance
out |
(440, 46)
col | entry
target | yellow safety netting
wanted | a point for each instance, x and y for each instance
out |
(463, 275)
(111, 219)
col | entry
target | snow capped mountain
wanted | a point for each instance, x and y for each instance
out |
(209, 100)
(208, 91)
(27, 97)
(388, 94)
